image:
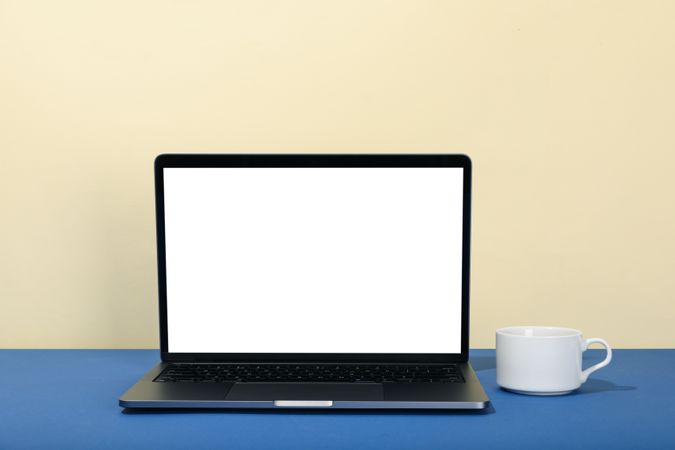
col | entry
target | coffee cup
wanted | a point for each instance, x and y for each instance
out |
(544, 360)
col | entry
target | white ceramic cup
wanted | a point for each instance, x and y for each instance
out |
(543, 360)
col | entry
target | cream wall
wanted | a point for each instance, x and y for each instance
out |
(566, 107)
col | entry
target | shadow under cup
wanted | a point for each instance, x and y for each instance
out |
(539, 360)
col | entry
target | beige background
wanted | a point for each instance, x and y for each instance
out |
(566, 107)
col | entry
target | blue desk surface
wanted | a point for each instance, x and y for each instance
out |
(68, 399)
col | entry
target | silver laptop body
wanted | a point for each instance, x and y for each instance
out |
(312, 281)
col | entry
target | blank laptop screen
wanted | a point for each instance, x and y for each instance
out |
(313, 260)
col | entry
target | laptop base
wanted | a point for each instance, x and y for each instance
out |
(412, 396)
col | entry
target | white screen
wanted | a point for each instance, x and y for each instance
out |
(313, 260)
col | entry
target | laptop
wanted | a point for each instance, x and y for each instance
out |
(332, 281)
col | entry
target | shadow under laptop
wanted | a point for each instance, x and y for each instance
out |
(363, 412)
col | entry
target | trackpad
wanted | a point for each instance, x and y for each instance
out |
(306, 391)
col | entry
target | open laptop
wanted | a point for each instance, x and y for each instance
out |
(312, 281)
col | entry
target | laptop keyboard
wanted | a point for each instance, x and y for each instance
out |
(327, 373)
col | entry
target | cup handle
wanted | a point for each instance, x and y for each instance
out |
(600, 365)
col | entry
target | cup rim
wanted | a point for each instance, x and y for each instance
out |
(573, 332)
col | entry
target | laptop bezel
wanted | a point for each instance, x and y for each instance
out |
(312, 160)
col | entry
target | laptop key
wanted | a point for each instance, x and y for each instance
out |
(361, 373)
